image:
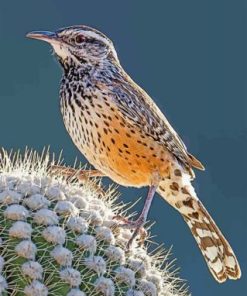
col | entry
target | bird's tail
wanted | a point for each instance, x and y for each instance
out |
(217, 252)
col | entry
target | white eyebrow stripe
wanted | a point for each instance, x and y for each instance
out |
(97, 37)
(103, 39)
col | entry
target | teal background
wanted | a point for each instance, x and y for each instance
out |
(190, 56)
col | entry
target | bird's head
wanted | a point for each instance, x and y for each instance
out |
(78, 45)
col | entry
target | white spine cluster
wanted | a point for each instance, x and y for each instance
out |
(20, 229)
(116, 254)
(87, 243)
(66, 208)
(54, 234)
(96, 263)
(59, 238)
(26, 249)
(104, 233)
(36, 202)
(71, 276)
(16, 212)
(8, 197)
(62, 255)
(126, 276)
(45, 217)
(32, 269)
(36, 288)
(105, 286)
(77, 224)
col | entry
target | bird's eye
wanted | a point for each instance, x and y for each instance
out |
(79, 39)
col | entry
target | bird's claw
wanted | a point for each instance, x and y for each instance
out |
(81, 175)
(136, 226)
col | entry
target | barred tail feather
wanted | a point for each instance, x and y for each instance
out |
(217, 252)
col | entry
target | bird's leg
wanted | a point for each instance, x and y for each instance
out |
(137, 225)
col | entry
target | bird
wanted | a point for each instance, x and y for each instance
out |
(122, 132)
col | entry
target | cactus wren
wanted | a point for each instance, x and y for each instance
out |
(125, 136)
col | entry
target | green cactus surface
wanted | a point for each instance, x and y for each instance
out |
(58, 237)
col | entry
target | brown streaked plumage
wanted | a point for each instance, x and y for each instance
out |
(122, 132)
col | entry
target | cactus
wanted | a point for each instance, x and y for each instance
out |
(58, 237)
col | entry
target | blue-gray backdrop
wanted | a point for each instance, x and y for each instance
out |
(191, 58)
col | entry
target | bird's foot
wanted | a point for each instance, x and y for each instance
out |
(80, 175)
(136, 226)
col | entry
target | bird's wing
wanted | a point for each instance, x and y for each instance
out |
(140, 110)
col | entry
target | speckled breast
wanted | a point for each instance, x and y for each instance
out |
(121, 151)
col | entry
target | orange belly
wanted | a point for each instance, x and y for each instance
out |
(134, 158)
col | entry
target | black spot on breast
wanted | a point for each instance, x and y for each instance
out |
(78, 103)
(72, 108)
(92, 104)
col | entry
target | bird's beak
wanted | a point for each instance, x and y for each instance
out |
(50, 37)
